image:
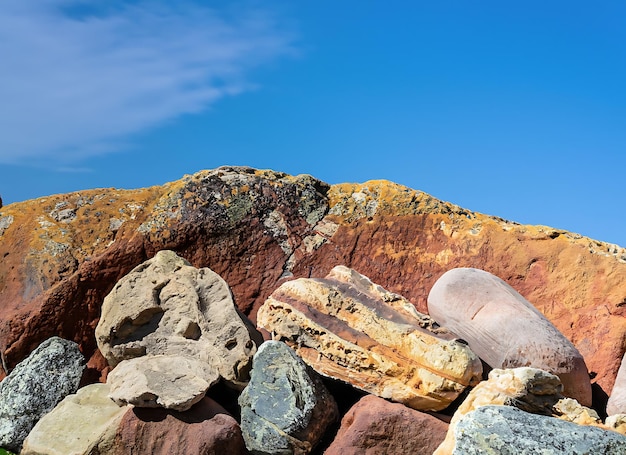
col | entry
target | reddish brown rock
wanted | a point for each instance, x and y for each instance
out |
(206, 428)
(256, 228)
(375, 426)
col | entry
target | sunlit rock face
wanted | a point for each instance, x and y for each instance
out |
(62, 254)
(348, 328)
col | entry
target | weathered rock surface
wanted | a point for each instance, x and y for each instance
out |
(350, 329)
(285, 408)
(206, 428)
(505, 430)
(529, 389)
(375, 426)
(82, 423)
(504, 329)
(167, 307)
(35, 386)
(166, 381)
(256, 227)
(617, 398)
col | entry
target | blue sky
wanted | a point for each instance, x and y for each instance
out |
(514, 109)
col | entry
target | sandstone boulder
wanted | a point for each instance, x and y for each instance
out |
(348, 328)
(50, 373)
(505, 430)
(165, 306)
(375, 426)
(167, 381)
(285, 408)
(504, 329)
(206, 428)
(84, 423)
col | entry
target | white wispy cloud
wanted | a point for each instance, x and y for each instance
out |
(77, 78)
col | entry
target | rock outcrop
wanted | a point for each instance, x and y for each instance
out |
(82, 423)
(617, 399)
(35, 386)
(62, 254)
(505, 430)
(376, 426)
(347, 328)
(285, 408)
(504, 329)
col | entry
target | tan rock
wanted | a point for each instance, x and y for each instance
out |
(83, 423)
(167, 381)
(616, 422)
(504, 329)
(529, 389)
(165, 306)
(348, 328)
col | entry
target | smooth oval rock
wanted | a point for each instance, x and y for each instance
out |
(285, 408)
(84, 423)
(617, 399)
(36, 385)
(348, 328)
(165, 306)
(505, 430)
(504, 329)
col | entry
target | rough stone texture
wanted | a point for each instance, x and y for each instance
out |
(83, 423)
(167, 381)
(616, 422)
(375, 426)
(254, 227)
(504, 329)
(35, 386)
(167, 307)
(285, 408)
(350, 329)
(529, 389)
(617, 398)
(504, 430)
(206, 428)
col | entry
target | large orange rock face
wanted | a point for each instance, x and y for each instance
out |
(62, 254)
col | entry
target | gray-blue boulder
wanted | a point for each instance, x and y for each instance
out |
(36, 386)
(506, 430)
(285, 408)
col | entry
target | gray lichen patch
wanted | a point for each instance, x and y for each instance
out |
(5, 222)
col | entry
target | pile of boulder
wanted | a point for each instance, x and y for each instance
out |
(334, 365)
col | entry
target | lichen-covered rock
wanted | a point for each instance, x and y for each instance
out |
(348, 328)
(285, 408)
(206, 428)
(529, 389)
(35, 386)
(504, 329)
(256, 227)
(167, 307)
(505, 430)
(84, 423)
(167, 381)
(375, 426)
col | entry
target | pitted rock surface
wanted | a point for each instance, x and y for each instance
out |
(35, 386)
(167, 307)
(505, 330)
(285, 408)
(348, 328)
